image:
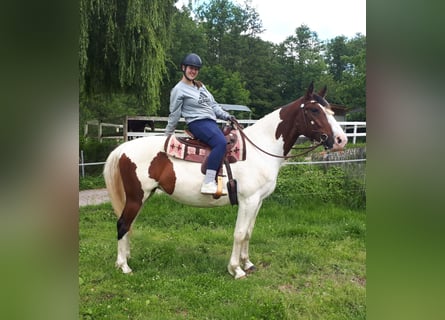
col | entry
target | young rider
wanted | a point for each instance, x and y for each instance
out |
(191, 100)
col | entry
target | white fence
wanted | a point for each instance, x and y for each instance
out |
(347, 126)
(350, 127)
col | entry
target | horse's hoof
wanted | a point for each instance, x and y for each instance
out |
(127, 270)
(237, 272)
(124, 267)
(252, 269)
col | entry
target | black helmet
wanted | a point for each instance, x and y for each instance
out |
(192, 59)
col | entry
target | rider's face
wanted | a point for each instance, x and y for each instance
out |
(191, 72)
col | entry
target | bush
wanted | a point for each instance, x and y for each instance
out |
(317, 183)
(95, 151)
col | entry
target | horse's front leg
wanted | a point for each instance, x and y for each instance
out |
(245, 221)
(247, 265)
(234, 267)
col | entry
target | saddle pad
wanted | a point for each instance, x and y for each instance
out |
(193, 150)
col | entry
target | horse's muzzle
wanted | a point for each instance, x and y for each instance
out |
(328, 142)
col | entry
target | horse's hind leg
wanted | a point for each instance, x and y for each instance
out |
(124, 223)
(133, 202)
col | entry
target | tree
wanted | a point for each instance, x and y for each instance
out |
(337, 50)
(225, 24)
(301, 62)
(347, 65)
(123, 48)
(186, 36)
(227, 87)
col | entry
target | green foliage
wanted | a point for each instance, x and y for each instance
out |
(320, 183)
(90, 182)
(229, 87)
(123, 47)
(346, 59)
(300, 62)
(130, 51)
(112, 108)
(95, 151)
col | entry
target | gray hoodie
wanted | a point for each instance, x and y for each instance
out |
(193, 103)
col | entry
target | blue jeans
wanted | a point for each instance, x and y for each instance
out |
(207, 131)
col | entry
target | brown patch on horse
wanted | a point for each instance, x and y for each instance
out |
(161, 170)
(287, 127)
(133, 193)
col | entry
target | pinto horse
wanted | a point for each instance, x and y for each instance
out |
(137, 168)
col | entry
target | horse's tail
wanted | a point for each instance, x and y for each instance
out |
(113, 181)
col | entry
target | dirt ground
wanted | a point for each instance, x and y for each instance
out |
(92, 197)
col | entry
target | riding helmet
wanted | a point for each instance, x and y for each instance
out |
(192, 59)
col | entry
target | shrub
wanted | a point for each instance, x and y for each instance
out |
(95, 151)
(317, 183)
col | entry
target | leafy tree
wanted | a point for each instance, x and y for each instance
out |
(347, 65)
(187, 36)
(337, 51)
(130, 52)
(301, 62)
(123, 49)
(227, 87)
(259, 68)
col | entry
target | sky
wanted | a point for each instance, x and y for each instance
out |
(328, 18)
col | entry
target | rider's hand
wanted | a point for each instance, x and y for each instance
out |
(233, 119)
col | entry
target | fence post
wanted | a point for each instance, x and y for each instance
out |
(355, 133)
(82, 165)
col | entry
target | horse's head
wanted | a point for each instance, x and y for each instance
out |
(320, 124)
(311, 116)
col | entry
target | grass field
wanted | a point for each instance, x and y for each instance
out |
(310, 256)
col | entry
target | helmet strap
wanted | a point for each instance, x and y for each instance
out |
(183, 72)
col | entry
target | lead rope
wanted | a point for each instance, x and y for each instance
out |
(238, 126)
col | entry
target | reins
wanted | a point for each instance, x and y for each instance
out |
(238, 126)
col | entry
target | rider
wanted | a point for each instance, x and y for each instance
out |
(191, 99)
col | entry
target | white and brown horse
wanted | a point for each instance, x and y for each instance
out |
(137, 168)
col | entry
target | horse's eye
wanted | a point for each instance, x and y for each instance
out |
(315, 110)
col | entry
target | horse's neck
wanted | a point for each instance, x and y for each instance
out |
(263, 132)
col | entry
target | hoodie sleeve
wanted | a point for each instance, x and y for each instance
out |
(219, 112)
(176, 102)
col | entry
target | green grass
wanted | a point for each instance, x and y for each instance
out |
(91, 182)
(310, 257)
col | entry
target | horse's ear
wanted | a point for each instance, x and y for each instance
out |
(323, 91)
(309, 91)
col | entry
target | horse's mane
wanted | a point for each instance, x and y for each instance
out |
(324, 103)
(321, 100)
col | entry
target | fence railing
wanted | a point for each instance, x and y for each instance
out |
(351, 129)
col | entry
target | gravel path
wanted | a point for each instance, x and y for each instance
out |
(92, 197)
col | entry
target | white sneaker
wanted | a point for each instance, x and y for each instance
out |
(209, 188)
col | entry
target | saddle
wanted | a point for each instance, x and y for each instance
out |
(191, 149)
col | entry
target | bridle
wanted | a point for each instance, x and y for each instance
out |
(323, 138)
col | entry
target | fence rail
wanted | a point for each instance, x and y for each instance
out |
(351, 129)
